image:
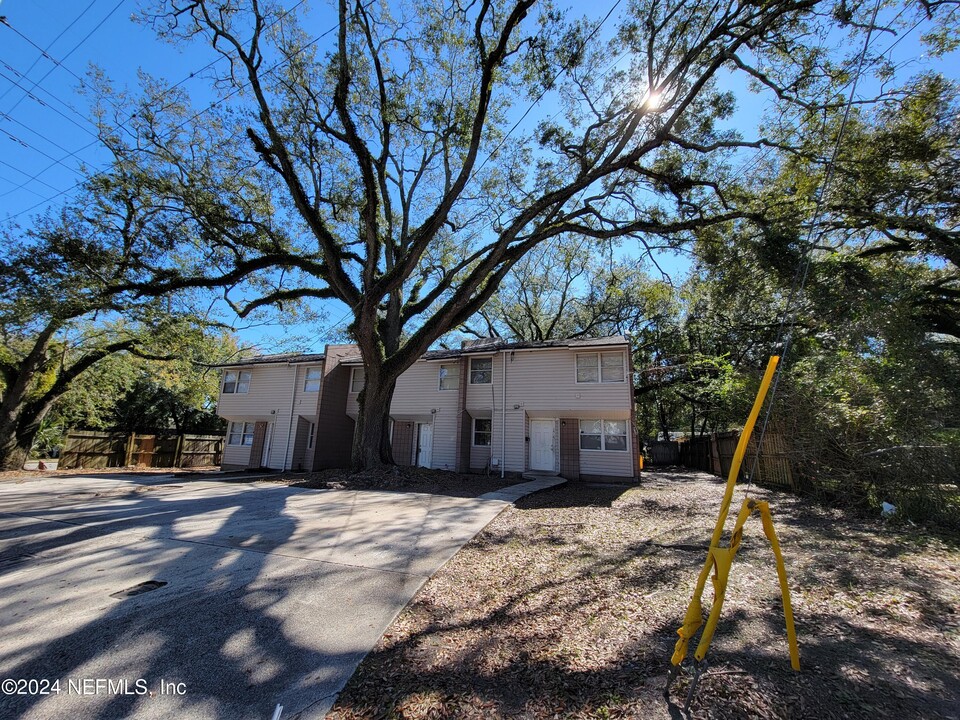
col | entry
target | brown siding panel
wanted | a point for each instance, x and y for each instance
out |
(465, 426)
(334, 441)
(570, 448)
(301, 440)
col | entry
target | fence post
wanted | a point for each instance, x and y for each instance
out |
(178, 453)
(128, 456)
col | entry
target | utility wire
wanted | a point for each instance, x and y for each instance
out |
(190, 119)
(28, 92)
(59, 63)
(791, 310)
(44, 51)
(548, 86)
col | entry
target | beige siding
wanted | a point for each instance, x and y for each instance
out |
(543, 384)
(418, 398)
(479, 457)
(540, 384)
(305, 403)
(273, 388)
(235, 455)
(608, 462)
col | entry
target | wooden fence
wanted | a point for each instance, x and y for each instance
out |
(663, 452)
(103, 449)
(714, 454)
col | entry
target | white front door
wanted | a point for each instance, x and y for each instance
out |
(424, 444)
(542, 445)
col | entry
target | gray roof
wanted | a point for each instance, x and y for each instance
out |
(292, 358)
(489, 345)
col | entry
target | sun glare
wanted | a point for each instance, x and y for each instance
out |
(652, 101)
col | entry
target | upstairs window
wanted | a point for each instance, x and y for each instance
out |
(312, 381)
(358, 377)
(481, 371)
(449, 377)
(240, 433)
(600, 367)
(236, 382)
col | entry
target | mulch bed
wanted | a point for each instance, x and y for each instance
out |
(567, 605)
(399, 479)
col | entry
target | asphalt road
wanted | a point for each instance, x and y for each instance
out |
(125, 596)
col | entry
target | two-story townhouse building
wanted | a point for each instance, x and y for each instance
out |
(557, 407)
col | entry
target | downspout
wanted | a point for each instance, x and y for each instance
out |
(293, 400)
(503, 418)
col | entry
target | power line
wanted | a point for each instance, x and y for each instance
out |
(181, 125)
(790, 312)
(44, 51)
(549, 85)
(29, 93)
(16, 169)
(27, 145)
(59, 63)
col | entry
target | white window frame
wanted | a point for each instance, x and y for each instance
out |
(242, 434)
(239, 383)
(313, 430)
(598, 365)
(474, 431)
(484, 359)
(445, 367)
(308, 381)
(603, 435)
(353, 379)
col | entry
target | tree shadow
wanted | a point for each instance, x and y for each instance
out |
(514, 659)
(574, 493)
(227, 623)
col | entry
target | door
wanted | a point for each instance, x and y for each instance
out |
(542, 445)
(265, 458)
(258, 444)
(424, 444)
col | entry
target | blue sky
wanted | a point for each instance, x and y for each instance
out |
(47, 46)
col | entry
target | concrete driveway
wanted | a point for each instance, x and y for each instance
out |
(256, 594)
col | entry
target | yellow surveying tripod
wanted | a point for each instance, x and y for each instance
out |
(719, 559)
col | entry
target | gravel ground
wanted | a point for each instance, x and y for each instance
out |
(567, 605)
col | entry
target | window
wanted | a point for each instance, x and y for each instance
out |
(236, 382)
(313, 430)
(481, 371)
(600, 367)
(449, 377)
(603, 435)
(312, 382)
(357, 379)
(241, 433)
(482, 431)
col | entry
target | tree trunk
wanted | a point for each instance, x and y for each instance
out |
(371, 439)
(16, 439)
(14, 451)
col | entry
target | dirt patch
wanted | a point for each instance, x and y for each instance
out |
(399, 479)
(567, 606)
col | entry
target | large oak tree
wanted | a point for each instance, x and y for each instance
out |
(405, 180)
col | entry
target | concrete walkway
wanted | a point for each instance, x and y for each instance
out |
(255, 595)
